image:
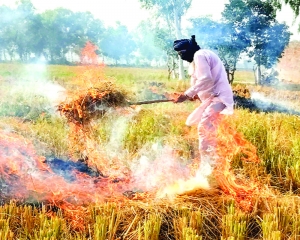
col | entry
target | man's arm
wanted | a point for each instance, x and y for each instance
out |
(204, 82)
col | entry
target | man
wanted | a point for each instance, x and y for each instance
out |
(209, 83)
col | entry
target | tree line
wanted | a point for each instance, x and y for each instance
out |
(247, 28)
(26, 35)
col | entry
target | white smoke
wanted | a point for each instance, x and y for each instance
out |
(156, 168)
(33, 88)
(118, 130)
(161, 171)
(198, 181)
(261, 101)
(274, 103)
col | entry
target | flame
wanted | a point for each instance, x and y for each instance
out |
(185, 186)
(26, 175)
(203, 172)
(88, 54)
(230, 143)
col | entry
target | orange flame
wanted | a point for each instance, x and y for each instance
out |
(231, 143)
(88, 54)
(28, 175)
(25, 175)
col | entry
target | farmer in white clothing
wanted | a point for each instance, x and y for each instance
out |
(209, 82)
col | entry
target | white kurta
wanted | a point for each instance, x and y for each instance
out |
(209, 82)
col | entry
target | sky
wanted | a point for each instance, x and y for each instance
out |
(130, 13)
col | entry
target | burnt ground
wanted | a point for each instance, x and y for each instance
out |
(68, 169)
(242, 99)
(262, 106)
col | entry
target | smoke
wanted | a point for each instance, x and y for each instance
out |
(157, 168)
(261, 101)
(118, 130)
(40, 85)
(160, 171)
(31, 92)
(200, 180)
(272, 104)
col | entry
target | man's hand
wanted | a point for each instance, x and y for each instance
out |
(196, 97)
(181, 98)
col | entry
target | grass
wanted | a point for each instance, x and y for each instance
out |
(124, 136)
(244, 76)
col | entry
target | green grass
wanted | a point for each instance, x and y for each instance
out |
(244, 76)
(15, 70)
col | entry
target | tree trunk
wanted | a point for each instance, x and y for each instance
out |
(258, 69)
(177, 21)
(258, 74)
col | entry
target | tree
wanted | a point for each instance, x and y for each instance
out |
(172, 12)
(144, 37)
(83, 28)
(164, 40)
(65, 30)
(294, 4)
(267, 38)
(224, 38)
(25, 14)
(36, 37)
(7, 15)
(15, 29)
(117, 43)
(230, 50)
(209, 33)
(57, 35)
(25, 34)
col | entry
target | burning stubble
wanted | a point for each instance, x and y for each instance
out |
(163, 173)
(109, 169)
(157, 171)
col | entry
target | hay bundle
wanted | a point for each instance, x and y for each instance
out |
(91, 103)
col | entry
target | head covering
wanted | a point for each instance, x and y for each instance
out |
(186, 48)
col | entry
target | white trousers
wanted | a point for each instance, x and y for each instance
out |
(207, 127)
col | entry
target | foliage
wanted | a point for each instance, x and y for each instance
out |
(65, 30)
(117, 43)
(248, 27)
(164, 40)
(223, 37)
(267, 38)
(15, 27)
(172, 12)
(294, 5)
(144, 37)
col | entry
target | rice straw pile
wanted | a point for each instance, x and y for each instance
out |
(91, 103)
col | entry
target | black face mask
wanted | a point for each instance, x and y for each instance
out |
(187, 55)
(186, 48)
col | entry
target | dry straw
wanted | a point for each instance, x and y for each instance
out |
(85, 105)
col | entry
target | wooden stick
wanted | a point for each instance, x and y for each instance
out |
(151, 101)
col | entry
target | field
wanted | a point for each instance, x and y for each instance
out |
(129, 171)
